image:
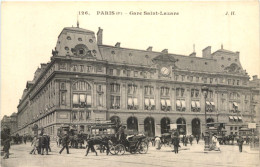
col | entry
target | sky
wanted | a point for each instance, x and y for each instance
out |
(29, 32)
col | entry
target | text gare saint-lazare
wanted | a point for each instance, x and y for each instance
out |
(129, 13)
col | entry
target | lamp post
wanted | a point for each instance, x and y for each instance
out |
(205, 90)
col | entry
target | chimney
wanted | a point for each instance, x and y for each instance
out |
(165, 51)
(117, 45)
(150, 48)
(206, 53)
(255, 77)
(193, 54)
(100, 36)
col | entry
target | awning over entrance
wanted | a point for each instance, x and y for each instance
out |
(130, 101)
(193, 104)
(212, 103)
(240, 118)
(163, 102)
(235, 118)
(231, 117)
(198, 104)
(168, 102)
(152, 102)
(178, 103)
(235, 104)
(183, 104)
(146, 102)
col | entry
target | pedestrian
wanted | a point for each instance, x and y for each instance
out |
(6, 138)
(183, 140)
(240, 142)
(49, 143)
(44, 144)
(65, 143)
(197, 138)
(24, 139)
(186, 140)
(157, 142)
(176, 144)
(35, 144)
(191, 139)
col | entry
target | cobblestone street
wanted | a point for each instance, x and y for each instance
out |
(188, 156)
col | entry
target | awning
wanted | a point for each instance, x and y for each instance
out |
(240, 118)
(183, 104)
(235, 117)
(75, 99)
(163, 102)
(231, 117)
(82, 98)
(152, 102)
(235, 104)
(168, 102)
(178, 103)
(198, 104)
(193, 104)
(89, 100)
(130, 101)
(146, 102)
(208, 103)
(135, 102)
(212, 103)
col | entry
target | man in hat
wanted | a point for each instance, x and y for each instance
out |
(65, 142)
(240, 142)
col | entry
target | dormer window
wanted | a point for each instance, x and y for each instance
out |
(68, 38)
(79, 39)
(91, 40)
(81, 51)
(66, 48)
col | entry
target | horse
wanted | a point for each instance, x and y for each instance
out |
(97, 141)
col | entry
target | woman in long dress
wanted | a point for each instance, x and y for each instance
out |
(157, 143)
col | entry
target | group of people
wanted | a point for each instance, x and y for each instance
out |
(41, 144)
(175, 141)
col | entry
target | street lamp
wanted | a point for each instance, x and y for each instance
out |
(205, 90)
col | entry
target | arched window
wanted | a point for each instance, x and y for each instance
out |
(81, 95)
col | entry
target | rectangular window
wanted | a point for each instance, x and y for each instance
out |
(63, 98)
(182, 92)
(74, 68)
(238, 82)
(231, 128)
(197, 79)
(99, 88)
(118, 72)
(235, 128)
(191, 78)
(192, 92)
(89, 68)
(100, 100)
(118, 102)
(176, 77)
(81, 68)
(99, 69)
(211, 80)
(182, 77)
(75, 100)
(111, 71)
(128, 73)
(136, 74)
(229, 81)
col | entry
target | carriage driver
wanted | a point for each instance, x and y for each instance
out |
(121, 133)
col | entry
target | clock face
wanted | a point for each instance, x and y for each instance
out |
(165, 71)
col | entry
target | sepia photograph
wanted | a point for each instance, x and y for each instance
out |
(130, 83)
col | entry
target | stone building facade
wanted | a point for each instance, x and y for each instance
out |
(10, 122)
(87, 81)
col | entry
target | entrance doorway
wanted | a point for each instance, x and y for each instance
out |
(132, 123)
(181, 126)
(165, 125)
(149, 126)
(195, 123)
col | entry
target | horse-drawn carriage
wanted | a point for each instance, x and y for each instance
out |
(132, 144)
(108, 135)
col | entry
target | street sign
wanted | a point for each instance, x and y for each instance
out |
(173, 126)
(252, 125)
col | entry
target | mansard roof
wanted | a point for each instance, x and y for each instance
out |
(146, 58)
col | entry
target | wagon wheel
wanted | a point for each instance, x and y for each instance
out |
(143, 147)
(119, 149)
(112, 149)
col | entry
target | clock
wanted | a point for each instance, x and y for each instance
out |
(165, 71)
